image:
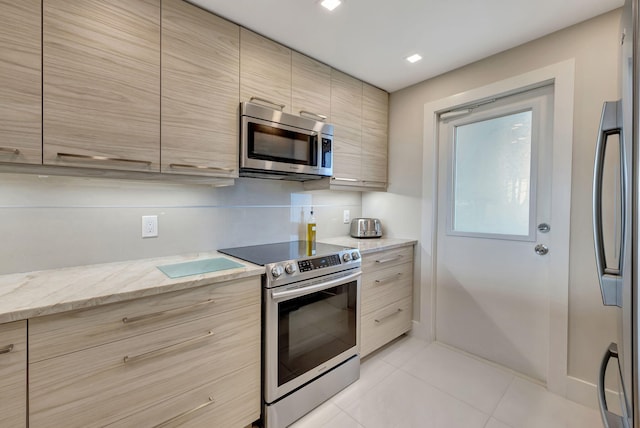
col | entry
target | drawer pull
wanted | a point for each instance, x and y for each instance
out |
(182, 415)
(6, 349)
(311, 114)
(266, 101)
(11, 150)
(388, 316)
(389, 279)
(102, 158)
(130, 320)
(175, 346)
(208, 168)
(390, 259)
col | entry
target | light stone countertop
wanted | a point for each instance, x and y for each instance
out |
(46, 292)
(32, 294)
(370, 245)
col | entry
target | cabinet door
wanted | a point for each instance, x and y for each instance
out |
(13, 374)
(20, 82)
(200, 91)
(375, 111)
(101, 93)
(310, 86)
(346, 116)
(265, 69)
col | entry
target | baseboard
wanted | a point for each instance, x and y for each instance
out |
(586, 393)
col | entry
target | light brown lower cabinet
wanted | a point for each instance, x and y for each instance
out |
(13, 374)
(190, 371)
(387, 297)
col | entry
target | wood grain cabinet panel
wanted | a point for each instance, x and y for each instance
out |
(20, 82)
(310, 86)
(265, 69)
(166, 375)
(375, 112)
(346, 116)
(387, 296)
(13, 374)
(101, 90)
(200, 91)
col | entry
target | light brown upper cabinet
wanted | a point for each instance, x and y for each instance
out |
(265, 70)
(101, 72)
(20, 82)
(310, 87)
(346, 116)
(200, 91)
(375, 112)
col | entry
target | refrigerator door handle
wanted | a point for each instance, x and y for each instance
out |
(610, 278)
(609, 419)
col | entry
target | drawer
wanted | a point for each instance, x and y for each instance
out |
(59, 334)
(383, 259)
(231, 401)
(384, 325)
(101, 385)
(13, 374)
(386, 285)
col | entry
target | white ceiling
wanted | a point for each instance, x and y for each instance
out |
(369, 39)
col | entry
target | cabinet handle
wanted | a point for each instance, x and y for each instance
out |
(390, 259)
(175, 346)
(353, 180)
(102, 158)
(389, 279)
(183, 414)
(11, 150)
(212, 168)
(6, 349)
(129, 320)
(388, 316)
(322, 117)
(280, 106)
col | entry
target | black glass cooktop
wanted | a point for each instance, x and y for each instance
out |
(279, 252)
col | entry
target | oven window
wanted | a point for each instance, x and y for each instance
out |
(313, 329)
(280, 145)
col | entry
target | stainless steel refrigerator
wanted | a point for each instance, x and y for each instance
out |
(618, 268)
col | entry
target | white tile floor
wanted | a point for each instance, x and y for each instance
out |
(414, 384)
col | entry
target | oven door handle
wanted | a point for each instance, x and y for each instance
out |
(303, 291)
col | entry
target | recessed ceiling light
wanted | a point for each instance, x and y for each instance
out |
(330, 4)
(414, 58)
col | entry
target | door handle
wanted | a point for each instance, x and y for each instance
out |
(609, 419)
(541, 250)
(610, 278)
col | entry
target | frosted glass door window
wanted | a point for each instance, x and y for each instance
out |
(492, 177)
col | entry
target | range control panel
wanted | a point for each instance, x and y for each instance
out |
(318, 263)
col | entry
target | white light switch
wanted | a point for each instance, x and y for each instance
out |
(149, 226)
(346, 216)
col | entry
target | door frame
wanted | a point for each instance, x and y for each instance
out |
(561, 75)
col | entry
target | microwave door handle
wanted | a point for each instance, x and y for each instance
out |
(298, 292)
(610, 279)
(609, 419)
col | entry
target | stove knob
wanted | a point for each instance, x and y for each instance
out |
(346, 257)
(355, 255)
(276, 271)
(290, 268)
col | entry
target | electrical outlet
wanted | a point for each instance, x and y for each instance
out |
(346, 216)
(149, 226)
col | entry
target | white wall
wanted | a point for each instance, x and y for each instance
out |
(594, 45)
(64, 221)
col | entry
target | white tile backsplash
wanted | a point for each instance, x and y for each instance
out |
(67, 221)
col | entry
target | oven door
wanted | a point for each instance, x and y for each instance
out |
(310, 327)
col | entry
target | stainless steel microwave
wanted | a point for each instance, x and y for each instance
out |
(274, 144)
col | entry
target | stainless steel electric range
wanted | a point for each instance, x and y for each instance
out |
(311, 332)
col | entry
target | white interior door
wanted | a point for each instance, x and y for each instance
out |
(494, 231)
